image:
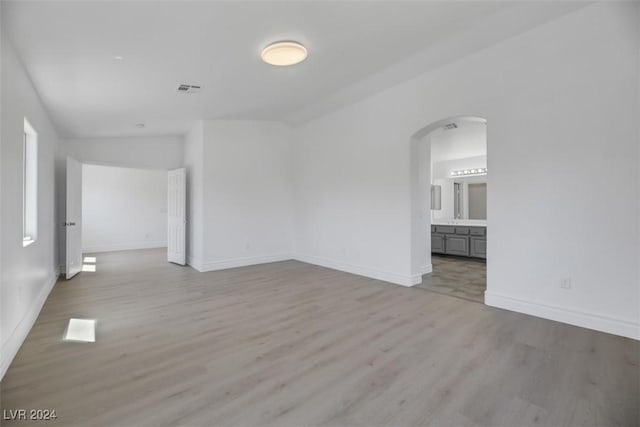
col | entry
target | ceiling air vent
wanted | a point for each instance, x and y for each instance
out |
(450, 126)
(188, 89)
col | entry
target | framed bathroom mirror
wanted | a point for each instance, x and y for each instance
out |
(470, 197)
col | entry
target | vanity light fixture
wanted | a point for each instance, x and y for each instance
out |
(467, 172)
(284, 53)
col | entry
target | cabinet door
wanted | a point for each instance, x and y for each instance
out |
(437, 243)
(478, 247)
(457, 245)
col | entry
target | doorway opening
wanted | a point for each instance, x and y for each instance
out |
(113, 208)
(449, 207)
(123, 208)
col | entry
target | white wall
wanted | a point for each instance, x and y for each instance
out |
(469, 139)
(247, 194)
(156, 152)
(28, 273)
(123, 208)
(557, 99)
(5, 357)
(193, 162)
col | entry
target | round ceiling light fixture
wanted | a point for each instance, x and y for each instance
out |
(284, 53)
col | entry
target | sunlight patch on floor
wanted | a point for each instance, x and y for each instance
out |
(81, 330)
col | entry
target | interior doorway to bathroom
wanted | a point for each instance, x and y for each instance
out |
(455, 178)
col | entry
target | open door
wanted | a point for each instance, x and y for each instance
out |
(177, 216)
(73, 220)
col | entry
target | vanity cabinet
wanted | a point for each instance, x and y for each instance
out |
(457, 245)
(437, 243)
(478, 247)
(466, 241)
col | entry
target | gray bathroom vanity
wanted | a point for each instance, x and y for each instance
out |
(460, 240)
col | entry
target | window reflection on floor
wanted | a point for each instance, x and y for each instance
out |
(81, 330)
(89, 264)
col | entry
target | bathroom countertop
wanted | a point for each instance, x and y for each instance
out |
(465, 222)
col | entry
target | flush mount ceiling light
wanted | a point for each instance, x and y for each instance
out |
(284, 53)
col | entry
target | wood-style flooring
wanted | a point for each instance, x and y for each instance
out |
(292, 344)
(456, 276)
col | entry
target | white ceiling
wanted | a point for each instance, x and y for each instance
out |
(68, 48)
(469, 139)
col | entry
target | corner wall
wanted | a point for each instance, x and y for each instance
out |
(561, 107)
(247, 197)
(193, 162)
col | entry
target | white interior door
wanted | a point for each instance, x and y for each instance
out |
(177, 216)
(73, 220)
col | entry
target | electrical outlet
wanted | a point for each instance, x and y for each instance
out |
(565, 283)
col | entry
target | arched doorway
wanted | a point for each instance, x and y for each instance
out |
(448, 167)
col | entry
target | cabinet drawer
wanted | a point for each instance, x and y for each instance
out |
(457, 245)
(478, 231)
(446, 229)
(462, 230)
(478, 246)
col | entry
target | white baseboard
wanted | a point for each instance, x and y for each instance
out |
(564, 315)
(13, 343)
(335, 265)
(195, 263)
(238, 262)
(124, 247)
(324, 262)
(398, 279)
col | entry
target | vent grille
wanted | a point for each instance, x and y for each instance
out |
(450, 126)
(188, 89)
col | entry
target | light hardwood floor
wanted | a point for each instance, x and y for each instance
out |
(457, 276)
(291, 344)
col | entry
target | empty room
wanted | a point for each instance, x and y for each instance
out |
(320, 213)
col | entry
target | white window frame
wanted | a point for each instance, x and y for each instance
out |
(29, 185)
